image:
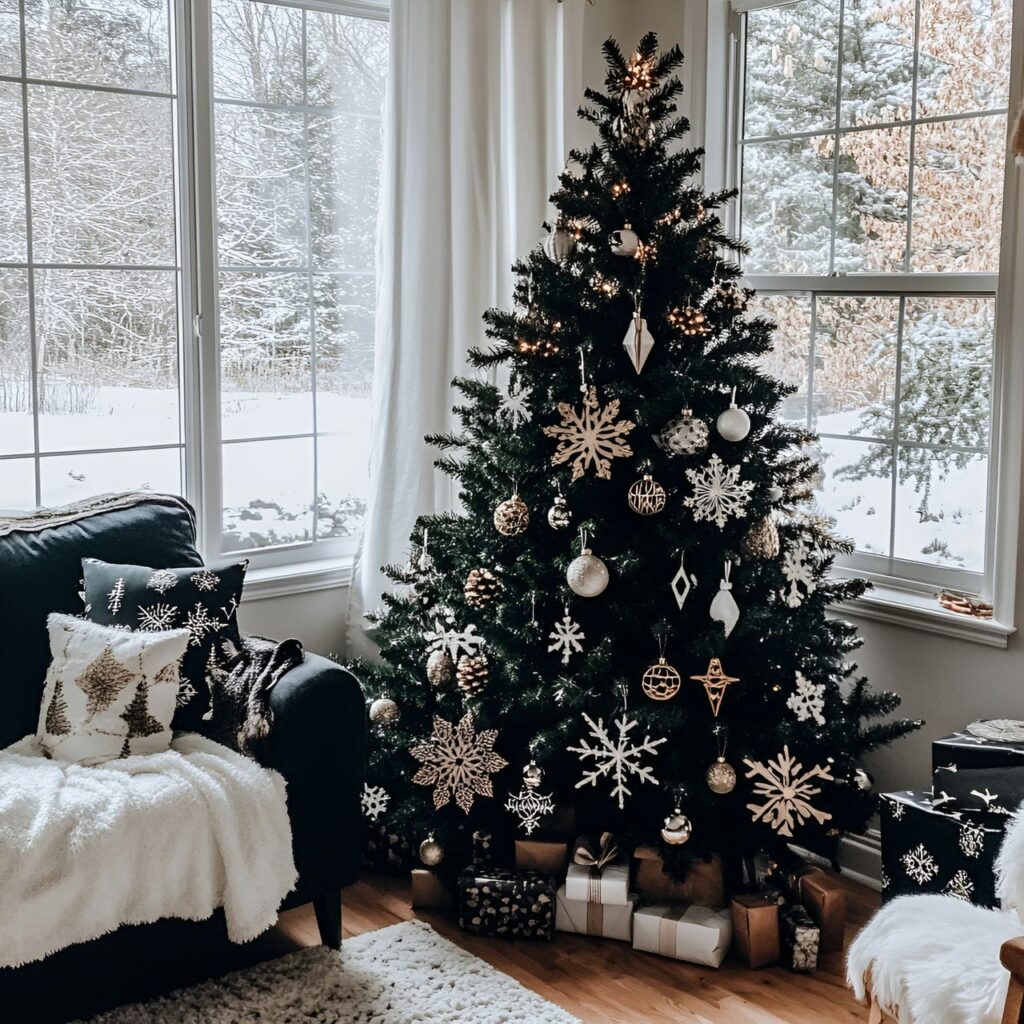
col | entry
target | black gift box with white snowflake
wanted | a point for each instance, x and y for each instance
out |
(513, 904)
(928, 849)
(974, 773)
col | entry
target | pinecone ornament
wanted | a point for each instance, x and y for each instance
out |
(761, 540)
(481, 587)
(471, 673)
(440, 668)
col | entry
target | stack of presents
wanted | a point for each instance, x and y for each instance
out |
(592, 887)
(945, 840)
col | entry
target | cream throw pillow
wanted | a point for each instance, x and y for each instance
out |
(109, 692)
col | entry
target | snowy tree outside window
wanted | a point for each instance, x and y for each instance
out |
(873, 140)
(96, 306)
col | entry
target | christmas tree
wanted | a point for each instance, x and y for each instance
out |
(629, 614)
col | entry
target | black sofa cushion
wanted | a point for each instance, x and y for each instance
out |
(202, 600)
(41, 569)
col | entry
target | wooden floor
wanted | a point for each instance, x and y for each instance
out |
(606, 982)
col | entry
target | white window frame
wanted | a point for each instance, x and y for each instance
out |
(905, 600)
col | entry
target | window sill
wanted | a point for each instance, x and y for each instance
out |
(297, 578)
(920, 611)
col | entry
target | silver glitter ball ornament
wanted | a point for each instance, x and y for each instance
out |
(559, 516)
(677, 829)
(431, 852)
(384, 711)
(533, 775)
(720, 777)
(686, 435)
(863, 780)
(440, 668)
(587, 575)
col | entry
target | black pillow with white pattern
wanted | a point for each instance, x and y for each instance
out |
(202, 600)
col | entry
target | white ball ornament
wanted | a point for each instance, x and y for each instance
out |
(677, 829)
(587, 575)
(625, 241)
(734, 423)
(384, 711)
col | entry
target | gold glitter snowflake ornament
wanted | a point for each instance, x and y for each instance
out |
(591, 437)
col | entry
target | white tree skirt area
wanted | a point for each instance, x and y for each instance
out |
(405, 974)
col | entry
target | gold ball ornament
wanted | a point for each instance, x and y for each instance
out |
(677, 828)
(471, 673)
(481, 587)
(384, 711)
(646, 496)
(559, 516)
(720, 777)
(661, 681)
(512, 517)
(761, 540)
(686, 435)
(587, 575)
(431, 851)
(440, 668)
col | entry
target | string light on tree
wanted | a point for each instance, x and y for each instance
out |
(688, 321)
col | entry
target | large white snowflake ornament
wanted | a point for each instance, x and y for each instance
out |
(718, 493)
(591, 437)
(798, 570)
(616, 758)
(455, 641)
(919, 864)
(787, 790)
(458, 762)
(807, 700)
(374, 801)
(566, 637)
(513, 407)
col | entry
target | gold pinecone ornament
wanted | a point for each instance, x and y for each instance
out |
(761, 540)
(512, 517)
(471, 673)
(481, 587)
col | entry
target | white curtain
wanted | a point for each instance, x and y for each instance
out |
(481, 99)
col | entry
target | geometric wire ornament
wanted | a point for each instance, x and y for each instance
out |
(682, 582)
(661, 681)
(646, 496)
(715, 682)
(788, 792)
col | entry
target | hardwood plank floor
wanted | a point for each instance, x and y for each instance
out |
(605, 982)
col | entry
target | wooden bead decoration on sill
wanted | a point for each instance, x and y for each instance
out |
(481, 587)
(646, 496)
(512, 517)
(471, 673)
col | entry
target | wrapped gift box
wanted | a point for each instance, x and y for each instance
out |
(755, 928)
(384, 850)
(609, 884)
(703, 886)
(546, 856)
(608, 920)
(824, 898)
(483, 849)
(512, 904)
(926, 848)
(800, 937)
(698, 934)
(429, 892)
(974, 774)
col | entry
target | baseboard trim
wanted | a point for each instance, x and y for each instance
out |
(860, 858)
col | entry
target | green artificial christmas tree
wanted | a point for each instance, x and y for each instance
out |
(628, 616)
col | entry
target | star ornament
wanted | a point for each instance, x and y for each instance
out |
(591, 437)
(458, 762)
(715, 683)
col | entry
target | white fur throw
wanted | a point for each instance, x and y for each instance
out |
(179, 833)
(1010, 865)
(933, 960)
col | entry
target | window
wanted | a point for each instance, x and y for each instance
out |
(124, 198)
(872, 144)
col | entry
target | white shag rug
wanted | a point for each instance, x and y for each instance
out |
(405, 974)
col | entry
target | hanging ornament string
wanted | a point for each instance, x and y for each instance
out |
(583, 374)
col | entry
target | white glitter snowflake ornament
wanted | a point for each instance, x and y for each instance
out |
(616, 758)
(591, 437)
(566, 637)
(718, 493)
(919, 865)
(455, 641)
(787, 790)
(458, 762)
(808, 700)
(374, 801)
(798, 570)
(528, 805)
(513, 408)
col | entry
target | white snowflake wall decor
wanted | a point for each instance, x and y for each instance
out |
(455, 641)
(919, 864)
(787, 790)
(204, 580)
(157, 617)
(513, 408)
(458, 762)
(591, 437)
(566, 637)
(797, 568)
(808, 700)
(718, 493)
(162, 580)
(616, 758)
(374, 801)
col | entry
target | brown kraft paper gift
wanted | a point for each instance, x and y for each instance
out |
(429, 892)
(825, 900)
(755, 929)
(548, 858)
(704, 886)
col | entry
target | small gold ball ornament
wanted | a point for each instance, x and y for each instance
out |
(440, 668)
(721, 777)
(384, 711)
(661, 681)
(512, 517)
(431, 851)
(587, 575)
(481, 587)
(471, 673)
(646, 496)
(677, 829)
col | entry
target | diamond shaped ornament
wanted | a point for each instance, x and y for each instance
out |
(682, 583)
(638, 342)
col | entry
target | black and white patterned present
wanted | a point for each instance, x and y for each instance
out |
(385, 850)
(929, 849)
(800, 937)
(977, 773)
(512, 904)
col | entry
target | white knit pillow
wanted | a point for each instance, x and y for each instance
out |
(109, 692)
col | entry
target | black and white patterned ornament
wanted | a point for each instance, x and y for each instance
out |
(685, 435)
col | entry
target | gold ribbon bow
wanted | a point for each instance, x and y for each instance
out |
(605, 853)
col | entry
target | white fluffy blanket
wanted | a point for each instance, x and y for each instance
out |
(84, 850)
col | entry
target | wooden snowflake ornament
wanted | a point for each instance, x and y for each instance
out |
(787, 790)
(591, 437)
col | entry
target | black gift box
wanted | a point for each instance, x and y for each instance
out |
(483, 850)
(975, 774)
(513, 904)
(385, 850)
(926, 848)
